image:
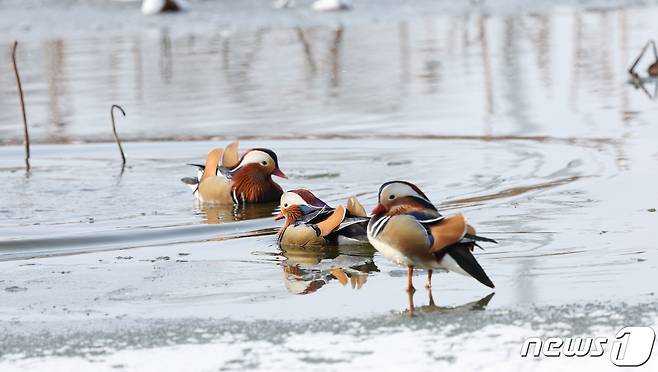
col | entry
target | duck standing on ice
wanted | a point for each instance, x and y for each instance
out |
(311, 222)
(409, 231)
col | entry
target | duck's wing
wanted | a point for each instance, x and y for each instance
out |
(402, 232)
(329, 224)
(354, 229)
(445, 231)
(352, 221)
(354, 208)
(451, 237)
(311, 214)
(216, 189)
(230, 158)
(212, 164)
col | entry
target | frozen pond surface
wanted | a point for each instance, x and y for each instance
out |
(520, 117)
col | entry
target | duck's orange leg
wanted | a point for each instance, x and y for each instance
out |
(428, 285)
(410, 297)
(410, 284)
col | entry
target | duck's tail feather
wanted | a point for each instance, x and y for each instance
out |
(477, 238)
(461, 253)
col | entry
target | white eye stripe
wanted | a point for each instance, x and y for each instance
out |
(394, 190)
(292, 198)
(255, 157)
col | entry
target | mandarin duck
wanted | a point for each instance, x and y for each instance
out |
(652, 70)
(310, 221)
(227, 178)
(407, 229)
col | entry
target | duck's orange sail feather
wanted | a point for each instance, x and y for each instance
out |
(448, 231)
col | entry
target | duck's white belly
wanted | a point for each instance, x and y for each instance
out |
(450, 264)
(401, 259)
(447, 262)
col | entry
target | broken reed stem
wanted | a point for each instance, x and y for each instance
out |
(655, 52)
(114, 129)
(652, 43)
(631, 70)
(22, 100)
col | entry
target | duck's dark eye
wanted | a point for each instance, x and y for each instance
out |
(285, 205)
(391, 197)
(263, 162)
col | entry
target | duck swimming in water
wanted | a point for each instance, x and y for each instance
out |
(226, 178)
(310, 221)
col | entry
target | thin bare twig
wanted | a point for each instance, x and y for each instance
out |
(114, 129)
(22, 100)
(652, 43)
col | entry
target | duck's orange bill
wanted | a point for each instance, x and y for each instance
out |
(279, 216)
(379, 209)
(277, 172)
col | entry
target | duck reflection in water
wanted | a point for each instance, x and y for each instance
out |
(223, 213)
(307, 269)
(431, 307)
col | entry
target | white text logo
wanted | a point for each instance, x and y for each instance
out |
(631, 347)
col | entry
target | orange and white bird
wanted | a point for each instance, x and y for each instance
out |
(227, 178)
(311, 222)
(407, 229)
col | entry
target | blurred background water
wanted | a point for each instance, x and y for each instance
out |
(464, 71)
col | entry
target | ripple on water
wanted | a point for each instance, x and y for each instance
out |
(528, 168)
